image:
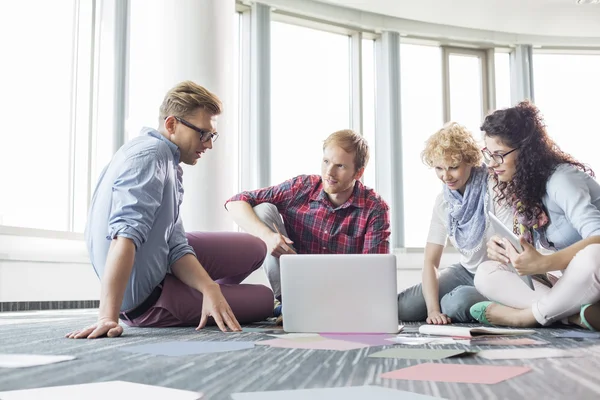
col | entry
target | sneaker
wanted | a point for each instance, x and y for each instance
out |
(277, 309)
(277, 313)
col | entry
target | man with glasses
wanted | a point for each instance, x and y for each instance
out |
(152, 273)
(331, 213)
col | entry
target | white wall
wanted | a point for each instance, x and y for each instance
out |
(533, 17)
(45, 269)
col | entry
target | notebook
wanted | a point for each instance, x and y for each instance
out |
(465, 331)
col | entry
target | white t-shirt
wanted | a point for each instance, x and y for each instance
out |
(438, 229)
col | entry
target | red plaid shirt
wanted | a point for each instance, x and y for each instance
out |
(360, 225)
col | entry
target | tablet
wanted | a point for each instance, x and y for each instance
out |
(502, 231)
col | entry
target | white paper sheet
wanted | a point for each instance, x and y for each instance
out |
(114, 390)
(346, 393)
(30, 360)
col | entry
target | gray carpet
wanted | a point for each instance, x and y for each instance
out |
(264, 368)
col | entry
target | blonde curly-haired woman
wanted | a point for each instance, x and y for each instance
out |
(459, 214)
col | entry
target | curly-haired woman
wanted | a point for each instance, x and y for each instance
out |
(556, 205)
(460, 213)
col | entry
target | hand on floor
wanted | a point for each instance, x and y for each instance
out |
(437, 318)
(104, 327)
(214, 305)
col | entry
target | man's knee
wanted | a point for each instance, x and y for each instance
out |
(262, 300)
(458, 302)
(254, 249)
(267, 213)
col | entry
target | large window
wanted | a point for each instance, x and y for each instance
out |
(566, 88)
(45, 83)
(368, 107)
(422, 106)
(502, 74)
(465, 83)
(310, 96)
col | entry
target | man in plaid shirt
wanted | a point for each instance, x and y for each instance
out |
(310, 214)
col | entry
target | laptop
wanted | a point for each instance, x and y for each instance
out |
(345, 293)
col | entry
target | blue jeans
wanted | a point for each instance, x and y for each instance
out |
(457, 293)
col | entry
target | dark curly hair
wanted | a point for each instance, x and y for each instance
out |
(523, 127)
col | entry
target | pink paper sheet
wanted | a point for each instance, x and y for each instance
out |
(316, 345)
(459, 373)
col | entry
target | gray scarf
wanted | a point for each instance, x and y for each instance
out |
(467, 214)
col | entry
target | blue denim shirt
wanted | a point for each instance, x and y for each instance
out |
(573, 203)
(138, 196)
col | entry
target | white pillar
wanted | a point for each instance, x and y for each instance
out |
(388, 136)
(255, 147)
(173, 41)
(521, 74)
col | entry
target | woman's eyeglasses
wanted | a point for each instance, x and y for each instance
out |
(488, 156)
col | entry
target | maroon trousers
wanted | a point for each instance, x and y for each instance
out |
(228, 257)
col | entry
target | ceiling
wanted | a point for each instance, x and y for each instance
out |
(532, 17)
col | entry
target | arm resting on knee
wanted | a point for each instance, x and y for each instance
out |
(189, 271)
(561, 259)
(243, 215)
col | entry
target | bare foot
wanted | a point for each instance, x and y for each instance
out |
(499, 314)
(591, 314)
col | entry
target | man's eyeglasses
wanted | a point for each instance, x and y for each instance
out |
(205, 135)
(488, 156)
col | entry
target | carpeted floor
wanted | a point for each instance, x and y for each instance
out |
(264, 368)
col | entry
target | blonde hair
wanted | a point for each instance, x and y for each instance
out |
(351, 142)
(185, 98)
(452, 142)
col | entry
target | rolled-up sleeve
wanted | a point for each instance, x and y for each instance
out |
(378, 233)
(278, 195)
(136, 195)
(178, 243)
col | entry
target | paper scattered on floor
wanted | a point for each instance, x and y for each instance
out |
(327, 344)
(467, 331)
(266, 331)
(346, 393)
(22, 321)
(418, 354)
(370, 339)
(187, 348)
(114, 390)
(419, 340)
(579, 334)
(30, 360)
(296, 336)
(510, 354)
(492, 341)
(460, 373)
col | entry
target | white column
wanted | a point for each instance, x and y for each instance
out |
(521, 74)
(172, 41)
(388, 136)
(255, 147)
